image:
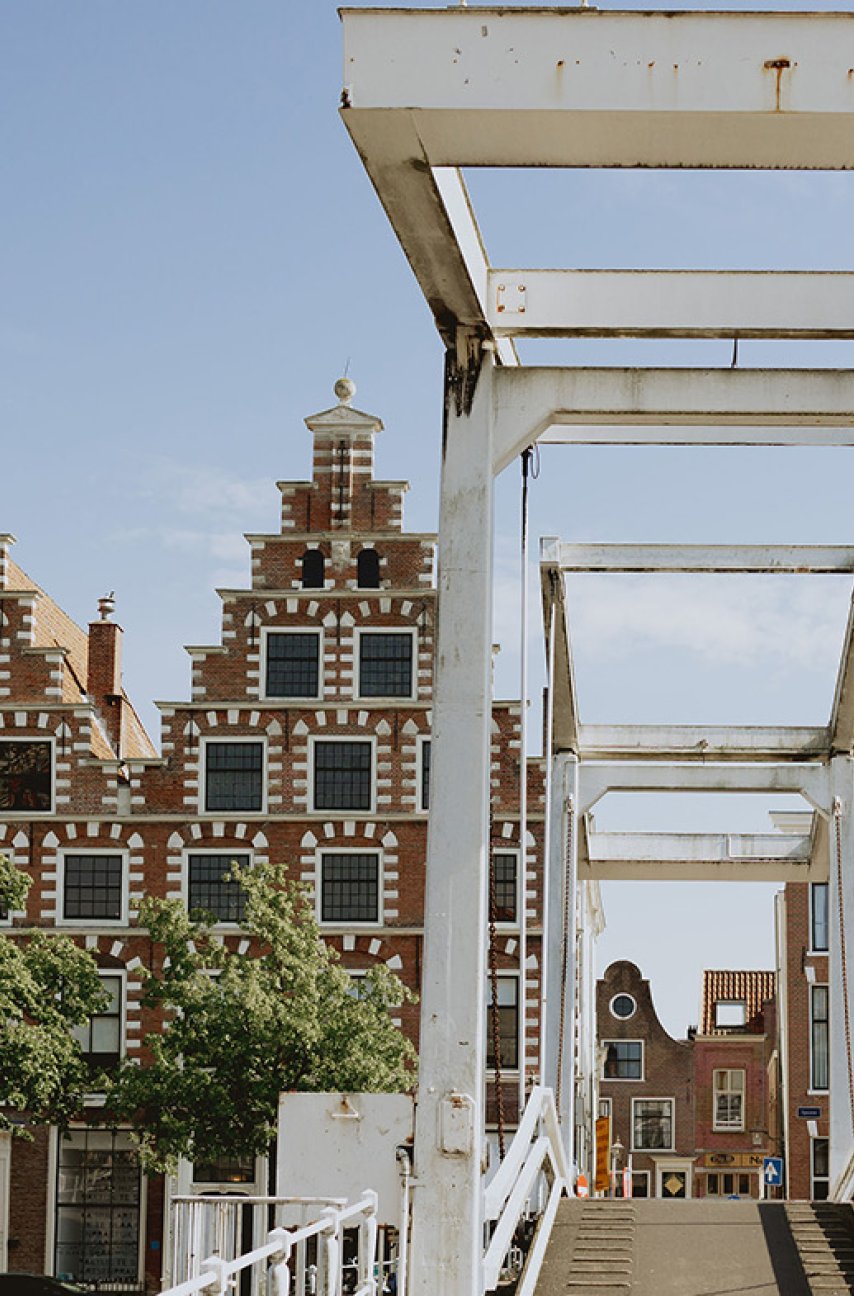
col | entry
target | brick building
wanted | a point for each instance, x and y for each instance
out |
(306, 739)
(736, 1067)
(646, 1085)
(802, 926)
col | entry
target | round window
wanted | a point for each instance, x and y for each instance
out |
(623, 1006)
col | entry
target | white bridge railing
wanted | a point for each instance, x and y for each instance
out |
(529, 1182)
(296, 1261)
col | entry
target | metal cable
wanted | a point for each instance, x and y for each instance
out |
(564, 951)
(837, 820)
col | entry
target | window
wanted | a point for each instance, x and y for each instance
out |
(234, 775)
(820, 1168)
(623, 1007)
(728, 1087)
(385, 664)
(505, 872)
(623, 1059)
(424, 781)
(93, 888)
(652, 1124)
(343, 775)
(819, 1051)
(730, 1013)
(604, 1108)
(818, 916)
(25, 776)
(368, 569)
(640, 1183)
(101, 1038)
(225, 1170)
(212, 890)
(313, 569)
(292, 664)
(350, 887)
(98, 1209)
(727, 1185)
(508, 1024)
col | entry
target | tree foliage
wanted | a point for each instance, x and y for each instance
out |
(243, 1027)
(47, 985)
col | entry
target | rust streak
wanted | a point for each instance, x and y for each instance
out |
(778, 67)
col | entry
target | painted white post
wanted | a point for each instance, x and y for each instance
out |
(841, 962)
(559, 953)
(447, 1240)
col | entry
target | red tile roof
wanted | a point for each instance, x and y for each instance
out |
(753, 989)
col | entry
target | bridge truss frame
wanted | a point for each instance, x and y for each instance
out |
(426, 93)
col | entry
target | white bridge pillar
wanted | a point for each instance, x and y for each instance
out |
(841, 989)
(447, 1243)
(559, 952)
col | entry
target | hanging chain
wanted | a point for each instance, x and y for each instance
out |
(837, 821)
(564, 949)
(495, 1010)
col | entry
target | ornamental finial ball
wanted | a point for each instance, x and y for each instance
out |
(345, 390)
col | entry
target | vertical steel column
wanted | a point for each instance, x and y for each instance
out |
(841, 963)
(447, 1240)
(560, 942)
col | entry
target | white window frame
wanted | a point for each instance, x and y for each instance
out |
(330, 924)
(412, 632)
(266, 632)
(605, 1108)
(498, 849)
(606, 1079)
(622, 994)
(820, 985)
(645, 1175)
(80, 848)
(50, 740)
(657, 1099)
(53, 1196)
(121, 973)
(505, 975)
(815, 949)
(728, 1071)
(213, 851)
(211, 740)
(424, 740)
(327, 811)
(730, 1003)
(814, 1179)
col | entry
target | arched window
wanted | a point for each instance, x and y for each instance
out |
(313, 565)
(368, 569)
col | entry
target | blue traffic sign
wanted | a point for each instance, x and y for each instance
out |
(772, 1171)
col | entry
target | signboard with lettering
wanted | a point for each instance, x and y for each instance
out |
(602, 1180)
(809, 1113)
(735, 1160)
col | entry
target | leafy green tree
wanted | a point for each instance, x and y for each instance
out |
(244, 1027)
(47, 986)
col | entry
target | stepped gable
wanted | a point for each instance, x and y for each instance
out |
(752, 988)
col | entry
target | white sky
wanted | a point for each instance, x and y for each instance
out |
(190, 255)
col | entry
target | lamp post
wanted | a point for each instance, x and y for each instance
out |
(617, 1151)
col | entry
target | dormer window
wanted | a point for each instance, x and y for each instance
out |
(26, 776)
(730, 1014)
(313, 569)
(368, 569)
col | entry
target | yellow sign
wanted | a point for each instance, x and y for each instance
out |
(602, 1180)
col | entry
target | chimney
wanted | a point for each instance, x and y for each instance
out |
(104, 674)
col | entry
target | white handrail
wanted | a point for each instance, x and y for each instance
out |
(539, 1107)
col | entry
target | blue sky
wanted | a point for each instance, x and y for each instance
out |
(191, 253)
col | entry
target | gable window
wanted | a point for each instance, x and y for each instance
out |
(234, 775)
(819, 1038)
(424, 780)
(368, 569)
(350, 887)
(385, 664)
(100, 1039)
(730, 1013)
(508, 1023)
(728, 1089)
(313, 569)
(211, 889)
(505, 872)
(623, 1006)
(343, 775)
(98, 1194)
(652, 1124)
(292, 664)
(818, 917)
(93, 888)
(25, 776)
(623, 1060)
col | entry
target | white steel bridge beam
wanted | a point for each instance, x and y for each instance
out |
(841, 956)
(448, 1206)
